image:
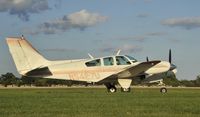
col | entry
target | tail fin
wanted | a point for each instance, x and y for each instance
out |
(26, 57)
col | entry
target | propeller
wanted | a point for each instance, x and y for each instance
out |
(147, 59)
(172, 66)
(170, 56)
(172, 70)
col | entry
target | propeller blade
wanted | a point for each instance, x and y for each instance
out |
(170, 56)
(172, 66)
(147, 59)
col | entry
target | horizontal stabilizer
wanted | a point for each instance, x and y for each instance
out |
(39, 72)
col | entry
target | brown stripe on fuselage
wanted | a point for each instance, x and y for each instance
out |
(86, 70)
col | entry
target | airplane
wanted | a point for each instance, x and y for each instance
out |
(108, 70)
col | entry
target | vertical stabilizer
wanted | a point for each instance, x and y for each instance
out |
(26, 58)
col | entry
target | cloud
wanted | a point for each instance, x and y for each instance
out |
(78, 20)
(148, 1)
(143, 37)
(57, 50)
(174, 40)
(143, 15)
(156, 34)
(186, 22)
(130, 48)
(23, 8)
(139, 38)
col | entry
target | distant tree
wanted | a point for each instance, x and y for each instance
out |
(18, 82)
(172, 81)
(41, 82)
(27, 80)
(197, 81)
(51, 82)
(68, 83)
(188, 83)
(8, 79)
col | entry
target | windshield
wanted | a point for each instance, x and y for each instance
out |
(131, 58)
(121, 60)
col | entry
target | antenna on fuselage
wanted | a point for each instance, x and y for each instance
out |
(90, 56)
(22, 37)
(118, 52)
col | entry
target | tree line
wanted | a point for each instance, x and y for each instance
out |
(12, 80)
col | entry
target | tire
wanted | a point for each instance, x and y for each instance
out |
(126, 89)
(163, 90)
(112, 89)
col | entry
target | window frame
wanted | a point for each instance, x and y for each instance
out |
(96, 64)
(113, 61)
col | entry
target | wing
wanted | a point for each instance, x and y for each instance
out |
(131, 72)
(137, 69)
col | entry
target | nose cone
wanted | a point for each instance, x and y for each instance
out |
(174, 71)
(172, 67)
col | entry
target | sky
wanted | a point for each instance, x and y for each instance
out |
(69, 29)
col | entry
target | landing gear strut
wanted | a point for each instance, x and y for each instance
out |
(111, 87)
(163, 89)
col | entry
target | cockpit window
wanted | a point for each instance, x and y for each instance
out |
(131, 58)
(92, 63)
(108, 61)
(121, 60)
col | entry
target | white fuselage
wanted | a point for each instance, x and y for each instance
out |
(78, 71)
(29, 62)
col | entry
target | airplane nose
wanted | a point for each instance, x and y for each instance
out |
(172, 67)
(164, 64)
(161, 67)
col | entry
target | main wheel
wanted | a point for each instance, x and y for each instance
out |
(163, 90)
(112, 89)
(125, 89)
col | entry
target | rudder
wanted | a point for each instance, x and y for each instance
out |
(26, 58)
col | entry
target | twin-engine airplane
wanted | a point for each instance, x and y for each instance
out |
(109, 70)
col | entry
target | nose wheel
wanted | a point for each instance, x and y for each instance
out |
(163, 90)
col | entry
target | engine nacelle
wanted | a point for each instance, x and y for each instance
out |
(161, 67)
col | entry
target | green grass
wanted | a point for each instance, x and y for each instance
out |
(94, 102)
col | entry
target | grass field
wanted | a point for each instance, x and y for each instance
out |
(96, 102)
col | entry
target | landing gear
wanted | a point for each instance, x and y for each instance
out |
(163, 90)
(111, 88)
(126, 89)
